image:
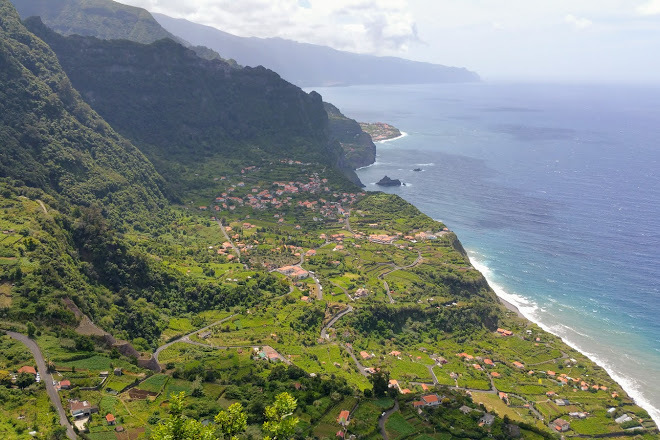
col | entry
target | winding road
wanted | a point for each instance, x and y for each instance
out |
(324, 330)
(47, 379)
(382, 276)
(382, 421)
(186, 338)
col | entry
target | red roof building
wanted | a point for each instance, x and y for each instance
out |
(28, 369)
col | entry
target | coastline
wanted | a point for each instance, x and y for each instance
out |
(402, 135)
(525, 310)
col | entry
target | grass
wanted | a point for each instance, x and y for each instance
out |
(96, 363)
(494, 404)
(398, 427)
(154, 383)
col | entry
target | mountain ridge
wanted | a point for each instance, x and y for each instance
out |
(309, 65)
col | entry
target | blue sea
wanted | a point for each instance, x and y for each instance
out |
(554, 190)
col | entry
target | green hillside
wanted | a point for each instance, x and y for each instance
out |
(181, 109)
(105, 19)
(253, 277)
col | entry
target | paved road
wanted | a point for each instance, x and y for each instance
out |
(222, 228)
(383, 420)
(382, 276)
(324, 330)
(47, 378)
(357, 363)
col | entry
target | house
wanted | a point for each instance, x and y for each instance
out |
(504, 332)
(418, 404)
(343, 417)
(395, 353)
(477, 367)
(27, 369)
(118, 371)
(425, 387)
(495, 374)
(465, 409)
(560, 425)
(464, 355)
(110, 419)
(65, 385)
(394, 384)
(518, 365)
(310, 253)
(80, 409)
(431, 400)
(578, 415)
(362, 292)
(623, 419)
(366, 355)
(340, 434)
(304, 298)
(486, 420)
(504, 397)
(295, 272)
(562, 402)
(489, 362)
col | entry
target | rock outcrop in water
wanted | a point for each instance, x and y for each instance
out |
(386, 181)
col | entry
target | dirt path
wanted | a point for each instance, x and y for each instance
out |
(383, 275)
(47, 378)
(186, 338)
(43, 206)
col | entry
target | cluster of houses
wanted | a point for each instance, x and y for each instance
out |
(294, 272)
(279, 196)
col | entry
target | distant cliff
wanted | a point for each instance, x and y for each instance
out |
(311, 65)
(104, 19)
(182, 109)
(358, 147)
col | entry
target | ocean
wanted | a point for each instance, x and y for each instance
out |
(554, 190)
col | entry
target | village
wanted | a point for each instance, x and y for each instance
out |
(336, 258)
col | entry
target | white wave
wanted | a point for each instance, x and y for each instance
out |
(403, 134)
(529, 310)
(430, 164)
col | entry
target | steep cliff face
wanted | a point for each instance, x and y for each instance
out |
(51, 140)
(178, 107)
(358, 147)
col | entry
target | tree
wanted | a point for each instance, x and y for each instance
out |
(24, 380)
(280, 423)
(380, 382)
(31, 329)
(5, 378)
(231, 422)
(179, 427)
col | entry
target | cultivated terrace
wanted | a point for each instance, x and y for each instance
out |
(365, 310)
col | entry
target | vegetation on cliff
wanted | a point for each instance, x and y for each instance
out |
(273, 278)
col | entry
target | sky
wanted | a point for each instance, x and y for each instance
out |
(599, 40)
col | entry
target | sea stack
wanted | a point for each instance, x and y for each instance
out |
(386, 181)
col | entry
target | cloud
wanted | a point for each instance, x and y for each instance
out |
(651, 7)
(578, 22)
(366, 26)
